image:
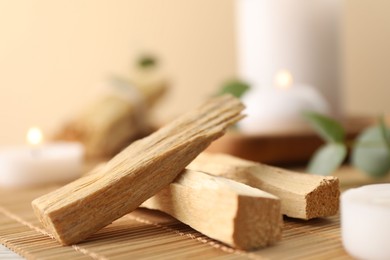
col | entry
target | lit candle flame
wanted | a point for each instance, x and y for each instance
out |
(34, 136)
(283, 79)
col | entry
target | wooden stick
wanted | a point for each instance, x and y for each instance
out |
(225, 210)
(86, 205)
(115, 120)
(303, 196)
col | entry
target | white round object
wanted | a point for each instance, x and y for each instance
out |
(275, 110)
(365, 221)
(302, 36)
(42, 164)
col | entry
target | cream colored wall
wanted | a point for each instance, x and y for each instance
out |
(55, 55)
(367, 57)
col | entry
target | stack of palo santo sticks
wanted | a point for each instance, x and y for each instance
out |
(120, 117)
(237, 202)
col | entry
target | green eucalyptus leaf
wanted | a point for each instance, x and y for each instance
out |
(329, 129)
(385, 132)
(327, 159)
(370, 153)
(147, 61)
(235, 87)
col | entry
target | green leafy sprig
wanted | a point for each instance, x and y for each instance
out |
(235, 87)
(146, 61)
(370, 152)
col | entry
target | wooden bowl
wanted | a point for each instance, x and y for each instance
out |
(289, 148)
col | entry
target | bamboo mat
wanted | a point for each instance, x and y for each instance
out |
(147, 234)
(150, 234)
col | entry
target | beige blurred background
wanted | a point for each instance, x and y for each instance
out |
(56, 55)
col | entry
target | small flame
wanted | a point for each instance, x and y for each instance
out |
(34, 136)
(283, 79)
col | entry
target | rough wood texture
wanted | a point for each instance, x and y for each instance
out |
(231, 212)
(84, 206)
(303, 196)
(114, 121)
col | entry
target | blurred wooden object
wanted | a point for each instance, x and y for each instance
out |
(228, 211)
(79, 209)
(303, 196)
(283, 148)
(117, 119)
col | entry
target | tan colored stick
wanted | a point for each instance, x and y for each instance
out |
(303, 196)
(228, 211)
(115, 120)
(84, 206)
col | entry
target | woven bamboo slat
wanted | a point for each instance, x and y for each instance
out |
(149, 234)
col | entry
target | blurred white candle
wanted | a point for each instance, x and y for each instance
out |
(300, 35)
(280, 108)
(365, 221)
(38, 164)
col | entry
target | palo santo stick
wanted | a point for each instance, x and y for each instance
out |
(115, 120)
(86, 205)
(225, 210)
(303, 196)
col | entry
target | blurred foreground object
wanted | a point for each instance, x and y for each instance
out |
(365, 225)
(120, 117)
